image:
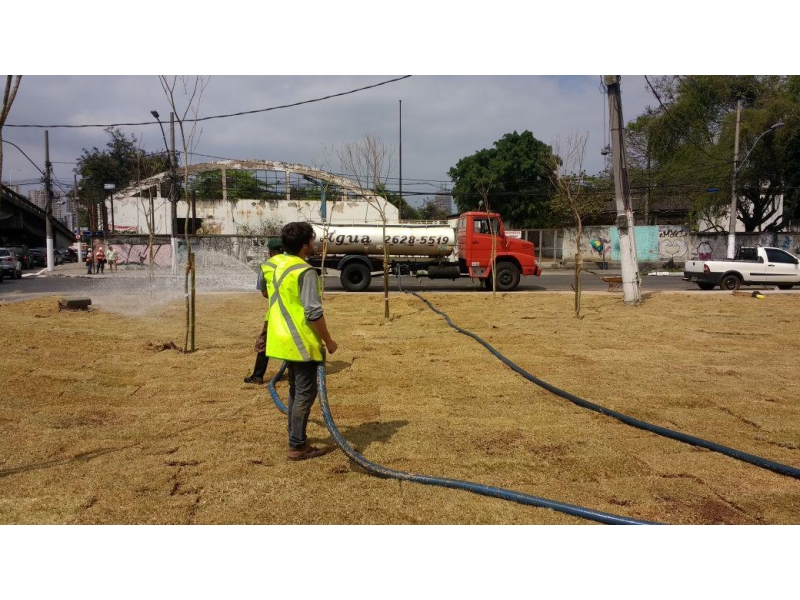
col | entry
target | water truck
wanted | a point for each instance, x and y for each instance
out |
(433, 251)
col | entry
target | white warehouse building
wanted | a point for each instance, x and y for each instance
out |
(146, 203)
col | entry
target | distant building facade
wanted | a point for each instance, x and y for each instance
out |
(443, 200)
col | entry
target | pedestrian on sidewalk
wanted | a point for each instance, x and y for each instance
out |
(111, 258)
(99, 260)
(89, 262)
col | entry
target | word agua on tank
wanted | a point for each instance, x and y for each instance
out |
(343, 239)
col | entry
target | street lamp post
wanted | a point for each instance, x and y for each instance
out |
(110, 187)
(736, 167)
(172, 199)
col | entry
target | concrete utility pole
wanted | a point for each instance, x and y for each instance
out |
(77, 222)
(48, 207)
(400, 204)
(734, 200)
(631, 280)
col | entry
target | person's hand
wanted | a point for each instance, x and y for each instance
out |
(331, 346)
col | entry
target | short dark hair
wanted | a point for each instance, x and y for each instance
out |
(295, 235)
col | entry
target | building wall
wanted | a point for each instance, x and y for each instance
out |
(227, 217)
(659, 244)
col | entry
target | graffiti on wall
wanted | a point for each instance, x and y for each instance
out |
(672, 246)
(704, 250)
(601, 245)
(139, 254)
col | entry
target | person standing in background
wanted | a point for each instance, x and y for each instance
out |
(99, 260)
(262, 360)
(111, 257)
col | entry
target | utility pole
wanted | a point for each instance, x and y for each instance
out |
(400, 204)
(625, 224)
(77, 221)
(48, 207)
(734, 199)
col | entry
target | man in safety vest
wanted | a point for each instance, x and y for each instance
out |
(297, 330)
(262, 360)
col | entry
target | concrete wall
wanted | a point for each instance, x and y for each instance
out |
(658, 244)
(234, 217)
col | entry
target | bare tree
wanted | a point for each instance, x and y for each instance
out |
(573, 198)
(187, 126)
(327, 187)
(12, 85)
(369, 163)
(147, 207)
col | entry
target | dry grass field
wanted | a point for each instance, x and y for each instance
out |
(104, 423)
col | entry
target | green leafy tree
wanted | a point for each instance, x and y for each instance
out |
(689, 142)
(121, 163)
(513, 178)
(431, 212)
(241, 185)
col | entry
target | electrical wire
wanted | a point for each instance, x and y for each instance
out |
(224, 116)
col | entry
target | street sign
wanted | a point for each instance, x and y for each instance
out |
(109, 186)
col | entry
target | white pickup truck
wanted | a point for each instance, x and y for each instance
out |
(752, 266)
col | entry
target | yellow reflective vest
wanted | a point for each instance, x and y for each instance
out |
(289, 337)
(267, 269)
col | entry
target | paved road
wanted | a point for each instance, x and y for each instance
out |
(71, 280)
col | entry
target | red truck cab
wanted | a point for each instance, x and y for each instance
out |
(514, 257)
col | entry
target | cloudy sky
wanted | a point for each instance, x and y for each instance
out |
(476, 75)
(444, 118)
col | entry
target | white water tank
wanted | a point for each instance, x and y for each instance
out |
(402, 240)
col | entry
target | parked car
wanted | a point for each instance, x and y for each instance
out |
(11, 267)
(752, 266)
(38, 257)
(21, 252)
(67, 254)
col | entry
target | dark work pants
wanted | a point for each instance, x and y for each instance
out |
(302, 393)
(260, 368)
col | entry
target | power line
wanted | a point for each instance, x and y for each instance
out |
(225, 116)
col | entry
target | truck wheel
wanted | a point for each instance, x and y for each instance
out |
(355, 277)
(730, 283)
(507, 276)
(706, 286)
(785, 286)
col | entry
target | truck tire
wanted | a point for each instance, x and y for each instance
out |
(507, 276)
(706, 286)
(785, 286)
(355, 277)
(730, 282)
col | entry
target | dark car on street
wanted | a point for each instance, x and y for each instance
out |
(21, 252)
(10, 266)
(38, 257)
(67, 254)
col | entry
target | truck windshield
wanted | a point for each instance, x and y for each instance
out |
(482, 225)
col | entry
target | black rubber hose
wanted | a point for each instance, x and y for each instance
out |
(657, 429)
(484, 490)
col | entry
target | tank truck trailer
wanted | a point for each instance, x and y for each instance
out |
(433, 251)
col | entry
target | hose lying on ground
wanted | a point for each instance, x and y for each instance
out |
(484, 490)
(663, 431)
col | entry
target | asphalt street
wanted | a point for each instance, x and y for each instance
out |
(71, 280)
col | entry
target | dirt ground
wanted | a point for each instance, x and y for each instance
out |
(104, 422)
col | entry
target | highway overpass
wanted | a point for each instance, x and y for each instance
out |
(22, 222)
